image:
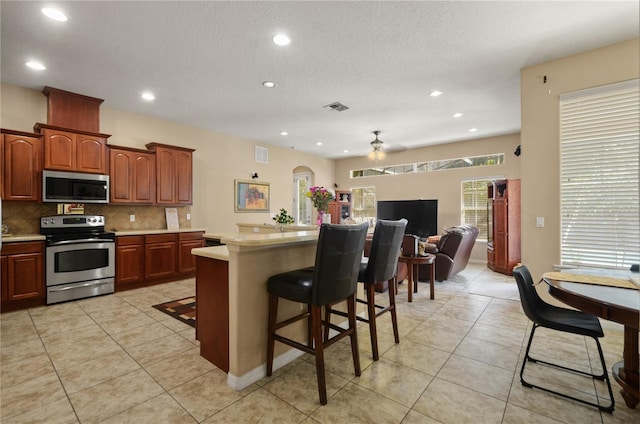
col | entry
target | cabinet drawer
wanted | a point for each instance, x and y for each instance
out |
(129, 240)
(160, 238)
(195, 235)
(22, 247)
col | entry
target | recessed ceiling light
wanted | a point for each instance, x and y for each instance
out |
(435, 93)
(148, 96)
(319, 143)
(473, 129)
(284, 133)
(36, 65)
(54, 14)
(345, 151)
(269, 84)
(281, 40)
(457, 115)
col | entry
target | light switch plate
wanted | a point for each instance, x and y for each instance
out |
(132, 218)
(188, 217)
(540, 221)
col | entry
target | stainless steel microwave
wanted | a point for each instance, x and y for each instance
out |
(74, 187)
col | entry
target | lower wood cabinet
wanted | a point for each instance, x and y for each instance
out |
(129, 260)
(22, 274)
(186, 242)
(155, 258)
(160, 255)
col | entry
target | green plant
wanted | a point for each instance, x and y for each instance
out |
(283, 217)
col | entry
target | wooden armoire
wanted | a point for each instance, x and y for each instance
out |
(503, 225)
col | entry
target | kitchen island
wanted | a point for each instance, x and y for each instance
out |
(232, 299)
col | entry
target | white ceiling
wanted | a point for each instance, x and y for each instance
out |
(206, 61)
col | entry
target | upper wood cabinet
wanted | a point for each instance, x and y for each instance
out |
(74, 151)
(174, 174)
(133, 175)
(21, 162)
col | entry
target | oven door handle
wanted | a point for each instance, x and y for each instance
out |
(91, 240)
(78, 286)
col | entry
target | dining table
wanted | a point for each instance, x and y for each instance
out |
(612, 295)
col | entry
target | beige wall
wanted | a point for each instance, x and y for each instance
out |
(443, 185)
(540, 139)
(217, 161)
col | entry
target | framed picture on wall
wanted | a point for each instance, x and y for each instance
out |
(251, 196)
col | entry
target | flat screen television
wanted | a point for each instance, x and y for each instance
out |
(421, 214)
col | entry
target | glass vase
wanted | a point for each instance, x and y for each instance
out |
(320, 216)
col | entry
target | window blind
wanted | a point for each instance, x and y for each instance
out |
(599, 171)
(474, 205)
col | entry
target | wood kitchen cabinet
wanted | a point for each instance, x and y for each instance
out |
(186, 242)
(340, 208)
(129, 260)
(160, 255)
(22, 274)
(144, 260)
(503, 246)
(74, 151)
(21, 165)
(174, 174)
(133, 176)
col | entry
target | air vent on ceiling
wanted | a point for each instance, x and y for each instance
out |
(262, 154)
(337, 106)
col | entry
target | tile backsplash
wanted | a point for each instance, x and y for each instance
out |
(24, 217)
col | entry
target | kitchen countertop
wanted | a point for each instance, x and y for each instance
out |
(213, 252)
(262, 239)
(159, 231)
(22, 237)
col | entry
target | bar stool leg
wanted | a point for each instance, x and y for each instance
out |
(273, 313)
(316, 323)
(394, 317)
(355, 353)
(371, 313)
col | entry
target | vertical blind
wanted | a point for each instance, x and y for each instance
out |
(599, 171)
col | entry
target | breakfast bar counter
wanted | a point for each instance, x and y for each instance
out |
(232, 299)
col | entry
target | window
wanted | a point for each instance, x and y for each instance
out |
(437, 165)
(301, 203)
(474, 204)
(363, 204)
(599, 166)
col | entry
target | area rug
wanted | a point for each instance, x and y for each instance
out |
(181, 309)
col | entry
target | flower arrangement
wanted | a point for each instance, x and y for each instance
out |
(320, 197)
(283, 217)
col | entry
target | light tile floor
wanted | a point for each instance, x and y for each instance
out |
(114, 359)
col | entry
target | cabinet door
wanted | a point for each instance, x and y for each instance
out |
(24, 276)
(144, 178)
(91, 154)
(165, 175)
(334, 210)
(21, 168)
(120, 173)
(188, 241)
(183, 178)
(129, 260)
(160, 259)
(59, 150)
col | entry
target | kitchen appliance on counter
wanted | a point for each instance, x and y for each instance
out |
(79, 257)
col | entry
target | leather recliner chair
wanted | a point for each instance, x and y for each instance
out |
(452, 251)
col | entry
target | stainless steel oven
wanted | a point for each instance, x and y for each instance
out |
(79, 257)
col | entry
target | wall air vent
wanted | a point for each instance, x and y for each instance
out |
(262, 154)
(337, 106)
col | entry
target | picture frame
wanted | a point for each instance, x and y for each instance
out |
(252, 196)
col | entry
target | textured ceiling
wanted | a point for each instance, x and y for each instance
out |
(206, 61)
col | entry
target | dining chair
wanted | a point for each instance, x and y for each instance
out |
(334, 278)
(553, 317)
(381, 265)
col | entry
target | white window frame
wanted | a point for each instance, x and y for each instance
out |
(599, 176)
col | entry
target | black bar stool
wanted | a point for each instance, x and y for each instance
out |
(333, 279)
(381, 265)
